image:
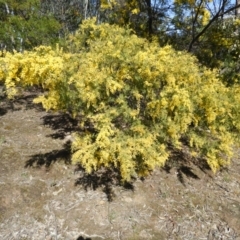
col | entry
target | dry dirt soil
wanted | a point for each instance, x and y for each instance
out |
(44, 197)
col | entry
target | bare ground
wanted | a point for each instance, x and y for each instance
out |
(42, 196)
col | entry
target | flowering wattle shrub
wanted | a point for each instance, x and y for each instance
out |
(138, 98)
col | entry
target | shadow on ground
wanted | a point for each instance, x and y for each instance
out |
(185, 165)
(47, 159)
(3, 111)
(23, 101)
(104, 178)
(82, 238)
(63, 124)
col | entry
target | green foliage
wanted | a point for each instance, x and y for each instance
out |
(228, 57)
(135, 99)
(23, 26)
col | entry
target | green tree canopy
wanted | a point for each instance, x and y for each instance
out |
(23, 25)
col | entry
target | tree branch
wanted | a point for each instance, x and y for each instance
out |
(218, 14)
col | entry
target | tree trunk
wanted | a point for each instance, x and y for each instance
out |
(150, 20)
(237, 12)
